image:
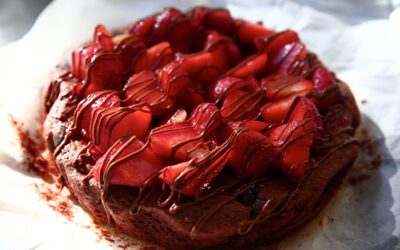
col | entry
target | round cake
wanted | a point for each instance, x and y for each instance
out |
(198, 130)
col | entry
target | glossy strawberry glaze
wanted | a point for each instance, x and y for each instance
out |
(180, 99)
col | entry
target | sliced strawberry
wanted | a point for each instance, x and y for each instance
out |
(137, 166)
(322, 79)
(193, 96)
(128, 49)
(174, 80)
(327, 89)
(105, 69)
(284, 49)
(103, 37)
(181, 34)
(275, 112)
(247, 32)
(293, 140)
(251, 154)
(108, 125)
(239, 105)
(220, 20)
(252, 125)
(225, 52)
(144, 88)
(253, 66)
(200, 67)
(193, 177)
(144, 27)
(183, 141)
(154, 58)
(274, 44)
(205, 119)
(279, 86)
(290, 59)
(81, 58)
(227, 84)
(198, 15)
(164, 21)
(86, 108)
(177, 142)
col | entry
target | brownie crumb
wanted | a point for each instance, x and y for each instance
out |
(55, 200)
(34, 152)
(364, 101)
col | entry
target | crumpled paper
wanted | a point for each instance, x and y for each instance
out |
(359, 40)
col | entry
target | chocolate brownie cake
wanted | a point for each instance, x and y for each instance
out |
(200, 130)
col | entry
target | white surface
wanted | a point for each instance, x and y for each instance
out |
(348, 36)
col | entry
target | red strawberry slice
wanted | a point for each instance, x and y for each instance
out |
(239, 105)
(181, 34)
(164, 21)
(81, 58)
(198, 15)
(251, 154)
(291, 59)
(284, 49)
(174, 80)
(137, 166)
(227, 84)
(143, 27)
(293, 140)
(193, 96)
(154, 58)
(103, 37)
(252, 125)
(200, 67)
(128, 49)
(220, 20)
(144, 88)
(183, 141)
(193, 177)
(206, 119)
(104, 69)
(247, 32)
(225, 52)
(322, 79)
(274, 44)
(281, 86)
(86, 108)
(108, 125)
(275, 112)
(253, 66)
(177, 142)
(327, 89)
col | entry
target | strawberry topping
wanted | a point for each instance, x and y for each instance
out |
(182, 98)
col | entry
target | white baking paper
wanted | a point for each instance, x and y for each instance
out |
(359, 40)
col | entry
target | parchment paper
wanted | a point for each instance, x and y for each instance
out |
(359, 40)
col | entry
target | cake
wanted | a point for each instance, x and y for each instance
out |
(199, 130)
